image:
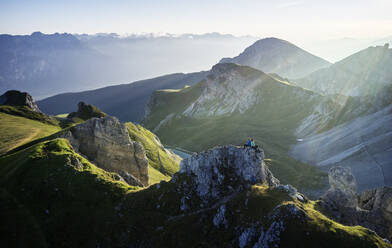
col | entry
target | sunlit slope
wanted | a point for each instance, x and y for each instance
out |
(53, 197)
(17, 131)
(232, 104)
(362, 73)
(162, 162)
(363, 144)
(48, 188)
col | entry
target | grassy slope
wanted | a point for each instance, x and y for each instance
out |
(23, 128)
(317, 231)
(271, 123)
(47, 201)
(17, 131)
(60, 202)
(161, 164)
(62, 115)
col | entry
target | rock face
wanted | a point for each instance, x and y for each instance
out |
(17, 98)
(106, 143)
(223, 170)
(371, 209)
(364, 144)
(343, 187)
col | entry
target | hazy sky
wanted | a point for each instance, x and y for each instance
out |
(294, 20)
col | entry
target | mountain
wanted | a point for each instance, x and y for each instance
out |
(45, 64)
(235, 102)
(364, 144)
(49, 64)
(273, 55)
(213, 201)
(362, 73)
(126, 101)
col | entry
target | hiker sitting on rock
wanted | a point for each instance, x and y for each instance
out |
(251, 143)
(248, 143)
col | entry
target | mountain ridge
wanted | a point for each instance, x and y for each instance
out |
(273, 55)
(359, 74)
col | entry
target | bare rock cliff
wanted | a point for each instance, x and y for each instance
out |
(106, 143)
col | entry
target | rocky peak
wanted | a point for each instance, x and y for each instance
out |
(273, 55)
(224, 170)
(343, 187)
(106, 142)
(228, 88)
(17, 98)
(223, 67)
(87, 111)
(341, 178)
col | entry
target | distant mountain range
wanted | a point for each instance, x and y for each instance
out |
(48, 64)
(273, 55)
(362, 73)
(282, 55)
(126, 101)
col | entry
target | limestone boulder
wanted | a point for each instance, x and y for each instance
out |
(106, 143)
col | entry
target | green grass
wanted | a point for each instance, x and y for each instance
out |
(86, 111)
(62, 115)
(17, 131)
(28, 113)
(253, 207)
(46, 200)
(163, 164)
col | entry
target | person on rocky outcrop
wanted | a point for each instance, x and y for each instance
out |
(253, 144)
(248, 143)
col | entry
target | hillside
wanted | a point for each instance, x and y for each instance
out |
(363, 73)
(364, 144)
(236, 102)
(265, 109)
(17, 131)
(24, 126)
(161, 161)
(125, 101)
(44, 191)
(272, 55)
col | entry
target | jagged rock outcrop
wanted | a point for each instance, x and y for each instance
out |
(343, 187)
(86, 111)
(17, 98)
(106, 143)
(371, 209)
(224, 170)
